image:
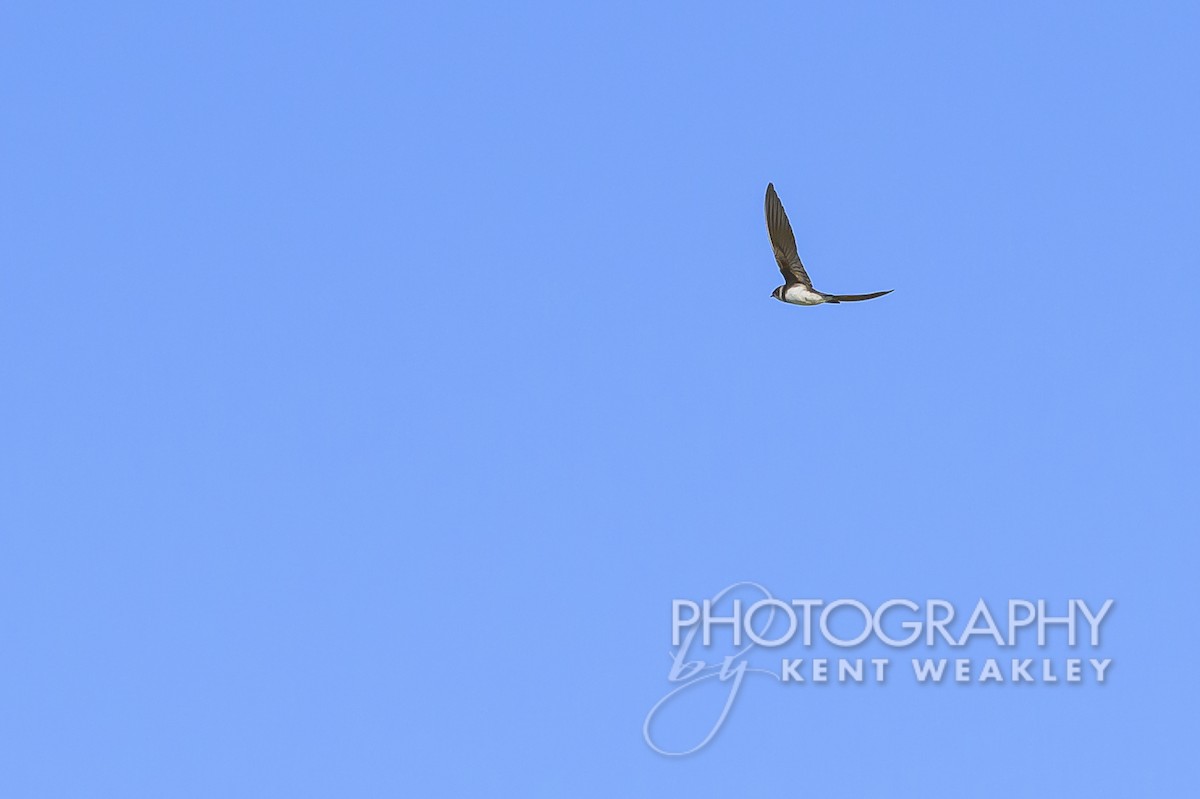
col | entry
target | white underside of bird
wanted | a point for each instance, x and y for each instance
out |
(802, 295)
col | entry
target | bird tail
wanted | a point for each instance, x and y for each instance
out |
(855, 297)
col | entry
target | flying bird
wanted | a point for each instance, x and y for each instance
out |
(797, 288)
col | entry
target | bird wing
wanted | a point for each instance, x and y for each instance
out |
(855, 297)
(783, 241)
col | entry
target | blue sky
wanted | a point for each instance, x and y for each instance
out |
(376, 376)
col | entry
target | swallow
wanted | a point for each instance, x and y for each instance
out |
(797, 288)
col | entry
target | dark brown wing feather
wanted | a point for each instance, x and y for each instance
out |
(783, 241)
(856, 297)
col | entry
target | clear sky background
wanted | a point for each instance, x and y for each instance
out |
(374, 376)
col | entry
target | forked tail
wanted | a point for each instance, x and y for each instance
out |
(855, 297)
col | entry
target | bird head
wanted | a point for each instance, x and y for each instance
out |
(778, 293)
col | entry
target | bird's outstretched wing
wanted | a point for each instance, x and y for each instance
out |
(783, 241)
(835, 298)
